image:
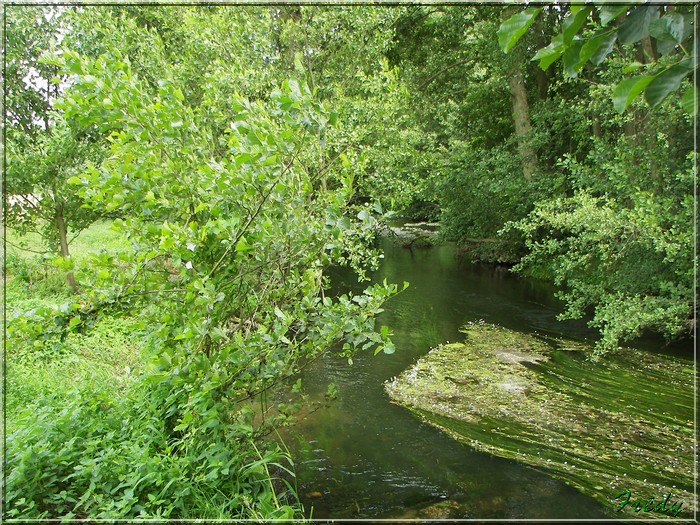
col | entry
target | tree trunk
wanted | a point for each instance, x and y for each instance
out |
(521, 109)
(291, 45)
(63, 239)
(541, 75)
(521, 119)
(634, 127)
(542, 83)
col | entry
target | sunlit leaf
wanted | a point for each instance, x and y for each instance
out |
(689, 100)
(573, 23)
(629, 89)
(515, 27)
(667, 82)
(548, 55)
(636, 25)
(634, 66)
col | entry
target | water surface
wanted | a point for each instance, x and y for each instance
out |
(364, 457)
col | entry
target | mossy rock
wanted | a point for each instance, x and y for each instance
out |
(623, 423)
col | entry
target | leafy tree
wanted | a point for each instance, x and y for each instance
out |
(229, 247)
(619, 243)
(465, 104)
(631, 265)
(341, 53)
(43, 149)
(666, 52)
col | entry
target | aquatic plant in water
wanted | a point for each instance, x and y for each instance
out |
(620, 425)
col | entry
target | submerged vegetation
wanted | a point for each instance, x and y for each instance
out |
(625, 424)
(181, 179)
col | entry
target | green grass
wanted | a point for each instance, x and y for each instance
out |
(32, 248)
(104, 358)
(87, 434)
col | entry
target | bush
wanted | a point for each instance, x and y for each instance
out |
(108, 459)
(632, 266)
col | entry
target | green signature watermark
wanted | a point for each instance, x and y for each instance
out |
(638, 505)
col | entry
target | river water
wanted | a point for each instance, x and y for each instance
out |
(364, 457)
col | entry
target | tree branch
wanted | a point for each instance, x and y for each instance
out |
(443, 70)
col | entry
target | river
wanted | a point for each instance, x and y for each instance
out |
(363, 457)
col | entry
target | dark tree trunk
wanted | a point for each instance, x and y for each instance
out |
(521, 119)
(521, 108)
(63, 239)
(542, 83)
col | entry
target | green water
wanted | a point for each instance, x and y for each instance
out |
(364, 457)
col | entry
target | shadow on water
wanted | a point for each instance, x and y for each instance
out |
(364, 457)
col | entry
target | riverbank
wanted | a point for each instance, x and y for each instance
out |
(623, 424)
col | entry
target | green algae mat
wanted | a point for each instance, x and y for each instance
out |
(619, 429)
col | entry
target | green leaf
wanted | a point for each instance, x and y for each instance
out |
(627, 90)
(74, 180)
(298, 65)
(64, 263)
(514, 28)
(242, 245)
(689, 100)
(667, 82)
(573, 23)
(610, 12)
(603, 47)
(634, 66)
(664, 47)
(344, 223)
(51, 58)
(331, 391)
(636, 25)
(669, 27)
(573, 61)
(389, 348)
(548, 55)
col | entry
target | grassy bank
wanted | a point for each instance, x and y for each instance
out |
(42, 372)
(87, 430)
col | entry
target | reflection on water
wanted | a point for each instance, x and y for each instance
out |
(365, 458)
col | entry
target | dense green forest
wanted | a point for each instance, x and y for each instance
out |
(180, 179)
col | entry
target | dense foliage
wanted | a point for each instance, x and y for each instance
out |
(551, 160)
(239, 151)
(229, 233)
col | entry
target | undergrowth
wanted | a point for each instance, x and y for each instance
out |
(86, 432)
